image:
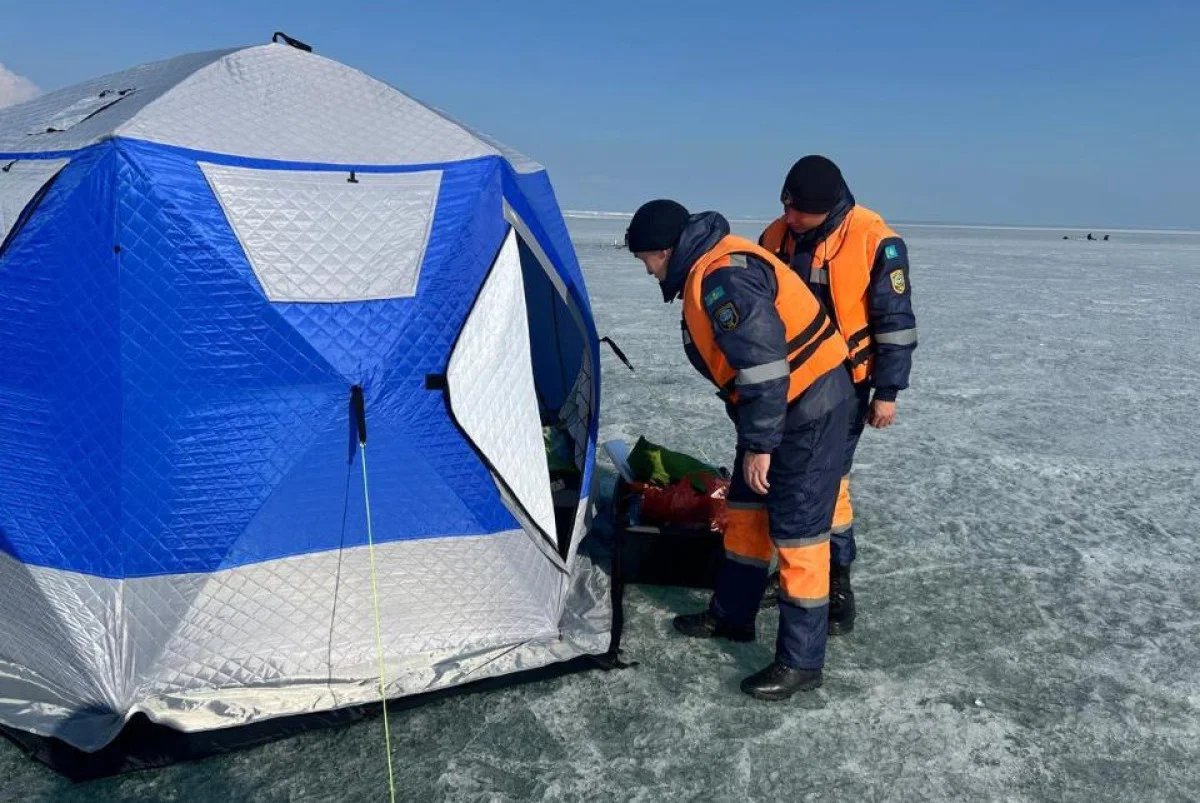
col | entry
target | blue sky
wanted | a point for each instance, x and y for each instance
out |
(1059, 113)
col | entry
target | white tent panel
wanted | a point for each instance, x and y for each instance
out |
(491, 386)
(276, 102)
(285, 636)
(20, 181)
(78, 116)
(317, 236)
(267, 102)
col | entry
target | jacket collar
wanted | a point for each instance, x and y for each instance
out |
(700, 236)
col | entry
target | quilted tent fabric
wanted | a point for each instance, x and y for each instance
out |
(315, 236)
(492, 393)
(186, 310)
(275, 102)
(20, 181)
(19, 123)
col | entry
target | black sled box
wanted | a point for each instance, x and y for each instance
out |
(662, 555)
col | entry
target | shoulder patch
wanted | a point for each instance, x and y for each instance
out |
(715, 295)
(899, 284)
(727, 317)
(891, 252)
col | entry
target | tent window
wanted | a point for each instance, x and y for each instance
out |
(81, 110)
(23, 184)
(329, 236)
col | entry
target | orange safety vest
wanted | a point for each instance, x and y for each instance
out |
(843, 261)
(812, 348)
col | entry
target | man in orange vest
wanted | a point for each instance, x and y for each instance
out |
(753, 328)
(858, 268)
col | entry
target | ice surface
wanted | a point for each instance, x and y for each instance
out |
(1029, 577)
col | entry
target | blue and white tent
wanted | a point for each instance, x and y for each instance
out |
(201, 259)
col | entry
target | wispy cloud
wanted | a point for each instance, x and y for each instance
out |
(15, 88)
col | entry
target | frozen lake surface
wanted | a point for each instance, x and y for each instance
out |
(1028, 581)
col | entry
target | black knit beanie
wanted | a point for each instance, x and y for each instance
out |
(814, 185)
(656, 226)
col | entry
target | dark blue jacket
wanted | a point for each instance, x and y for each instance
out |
(890, 313)
(893, 324)
(755, 343)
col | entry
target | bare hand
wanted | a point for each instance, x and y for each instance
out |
(882, 415)
(755, 468)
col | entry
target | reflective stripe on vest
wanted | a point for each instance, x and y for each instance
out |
(813, 348)
(850, 252)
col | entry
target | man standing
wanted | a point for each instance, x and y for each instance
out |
(858, 268)
(753, 328)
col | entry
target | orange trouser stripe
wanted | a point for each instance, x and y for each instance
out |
(748, 536)
(804, 574)
(843, 514)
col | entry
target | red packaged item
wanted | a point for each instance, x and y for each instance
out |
(682, 505)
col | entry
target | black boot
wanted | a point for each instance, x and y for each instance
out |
(707, 625)
(841, 601)
(780, 681)
(771, 595)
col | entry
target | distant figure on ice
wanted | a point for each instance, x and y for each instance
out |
(858, 268)
(1090, 237)
(753, 328)
(1106, 238)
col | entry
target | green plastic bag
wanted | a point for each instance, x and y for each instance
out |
(659, 465)
(560, 453)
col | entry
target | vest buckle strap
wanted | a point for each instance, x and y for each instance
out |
(860, 358)
(862, 334)
(811, 349)
(820, 321)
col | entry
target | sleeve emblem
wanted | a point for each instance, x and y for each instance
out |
(727, 317)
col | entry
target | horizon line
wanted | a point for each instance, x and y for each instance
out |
(592, 214)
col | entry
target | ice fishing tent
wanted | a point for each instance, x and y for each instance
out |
(202, 259)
